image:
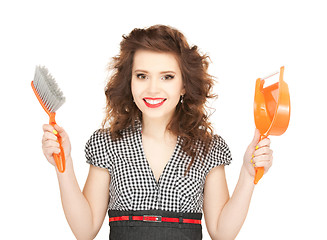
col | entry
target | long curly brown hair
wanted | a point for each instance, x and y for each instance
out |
(190, 120)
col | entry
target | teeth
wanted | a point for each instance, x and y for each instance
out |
(154, 101)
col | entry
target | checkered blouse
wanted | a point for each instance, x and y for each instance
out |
(133, 185)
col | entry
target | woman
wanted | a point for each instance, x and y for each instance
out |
(158, 164)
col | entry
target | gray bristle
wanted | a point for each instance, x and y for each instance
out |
(48, 89)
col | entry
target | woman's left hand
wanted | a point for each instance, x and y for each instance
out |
(258, 154)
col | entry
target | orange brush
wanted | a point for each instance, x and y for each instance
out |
(272, 110)
(51, 99)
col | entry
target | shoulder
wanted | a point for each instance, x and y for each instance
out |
(218, 143)
(218, 154)
(100, 149)
(99, 136)
(105, 138)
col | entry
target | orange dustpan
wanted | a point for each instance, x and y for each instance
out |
(271, 110)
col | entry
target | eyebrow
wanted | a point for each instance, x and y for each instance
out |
(163, 72)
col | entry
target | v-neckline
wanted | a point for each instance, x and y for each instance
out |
(157, 183)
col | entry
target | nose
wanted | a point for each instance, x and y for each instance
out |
(154, 85)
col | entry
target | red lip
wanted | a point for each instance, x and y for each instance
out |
(154, 105)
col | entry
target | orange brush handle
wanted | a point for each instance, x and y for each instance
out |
(259, 171)
(59, 158)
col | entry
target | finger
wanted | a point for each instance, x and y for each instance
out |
(48, 128)
(48, 152)
(263, 151)
(49, 136)
(61, 131)
(55, 150)
(50, 144)
(263, 159)
(265, 164)
(264, 142)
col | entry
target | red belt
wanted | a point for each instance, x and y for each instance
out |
(153, 218)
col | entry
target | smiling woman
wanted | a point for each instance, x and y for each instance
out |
(157, 166)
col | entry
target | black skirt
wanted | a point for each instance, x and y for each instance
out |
(146, 230)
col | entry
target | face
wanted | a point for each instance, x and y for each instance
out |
(156, 84)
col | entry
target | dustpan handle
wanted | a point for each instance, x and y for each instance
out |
(259, 171)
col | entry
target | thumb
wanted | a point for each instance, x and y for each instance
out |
(256, 138)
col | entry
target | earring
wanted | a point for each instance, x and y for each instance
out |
(182, 99)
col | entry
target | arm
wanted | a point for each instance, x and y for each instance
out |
(84, 211)
(225, 216)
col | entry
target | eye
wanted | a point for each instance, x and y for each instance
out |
(167, 77)
(141, 76)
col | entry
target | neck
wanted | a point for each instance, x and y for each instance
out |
(155, 128)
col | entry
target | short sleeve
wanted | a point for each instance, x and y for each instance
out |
(97, 150)
(219, 154)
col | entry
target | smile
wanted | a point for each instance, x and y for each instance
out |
(154, 102)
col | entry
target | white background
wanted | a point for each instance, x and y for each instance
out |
(245, 40)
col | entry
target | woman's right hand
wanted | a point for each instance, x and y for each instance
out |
(50, 144)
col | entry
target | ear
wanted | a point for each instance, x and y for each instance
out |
(183, 91)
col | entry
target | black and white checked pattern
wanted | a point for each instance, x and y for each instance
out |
(133, 185)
